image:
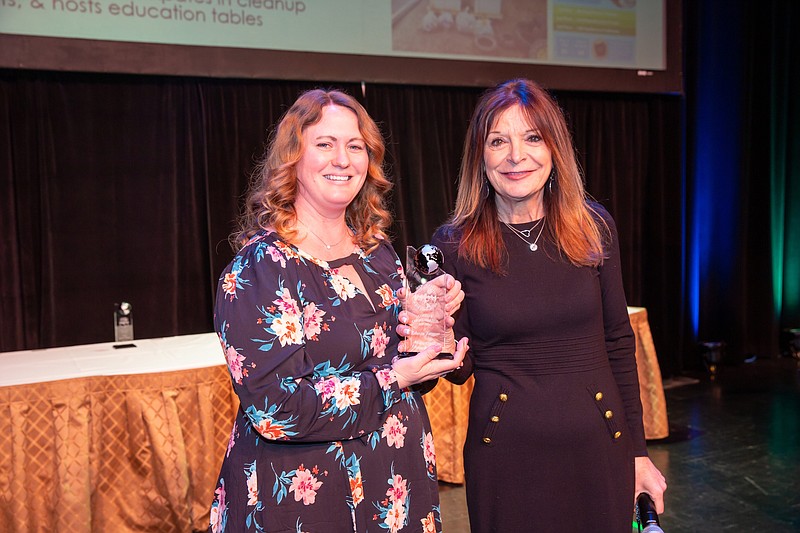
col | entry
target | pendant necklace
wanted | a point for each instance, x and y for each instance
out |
(328, 246)
(522, 234)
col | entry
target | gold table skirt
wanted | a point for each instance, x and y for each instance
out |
(114, 453)
(448, 404)
(651, 388)
(141, 452)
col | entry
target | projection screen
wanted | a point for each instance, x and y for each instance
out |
(616, 45)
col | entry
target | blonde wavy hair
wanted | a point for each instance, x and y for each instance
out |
(273, 188)
(571, 222)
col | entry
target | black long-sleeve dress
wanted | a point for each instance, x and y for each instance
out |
(555, 417)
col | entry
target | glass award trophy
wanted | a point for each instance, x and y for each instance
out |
(123, 322)
(425, 301)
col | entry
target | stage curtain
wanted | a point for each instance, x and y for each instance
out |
(424, 129)
(784, 167)
(120, 187)
(629, 148)
(743, 175)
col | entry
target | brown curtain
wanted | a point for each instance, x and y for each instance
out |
(630, 148)
(119, 187)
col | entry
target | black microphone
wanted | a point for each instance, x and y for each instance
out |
(646, 514)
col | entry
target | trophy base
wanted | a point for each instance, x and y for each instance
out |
(417, 343)
(442, 355)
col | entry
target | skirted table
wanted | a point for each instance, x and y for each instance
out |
(110, 437)
(448, 404)
(651, 389)
(97, 438)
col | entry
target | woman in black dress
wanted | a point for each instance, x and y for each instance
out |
(555, 439)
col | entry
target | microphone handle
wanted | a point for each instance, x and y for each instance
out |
(646, 514)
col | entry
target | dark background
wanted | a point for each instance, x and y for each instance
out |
(125, 187)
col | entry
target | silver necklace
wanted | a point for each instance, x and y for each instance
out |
(320, 239)
(522, 234)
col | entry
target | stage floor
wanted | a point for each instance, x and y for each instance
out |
(732, 459)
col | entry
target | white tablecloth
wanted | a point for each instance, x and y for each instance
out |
(165, 354)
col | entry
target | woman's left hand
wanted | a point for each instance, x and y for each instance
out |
(453, 299)
(455, 295)
(426, 365)
(650, 480)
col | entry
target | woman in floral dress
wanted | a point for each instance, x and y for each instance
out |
(329, 436)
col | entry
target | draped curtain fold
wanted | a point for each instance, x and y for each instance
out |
(784, 119)
(743, 177)
(631, 156)
(424, 129)
(127, 187)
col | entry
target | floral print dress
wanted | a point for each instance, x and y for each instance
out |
(324, 440)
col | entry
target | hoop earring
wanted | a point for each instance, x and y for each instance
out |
(550, 180)
(485, 186)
